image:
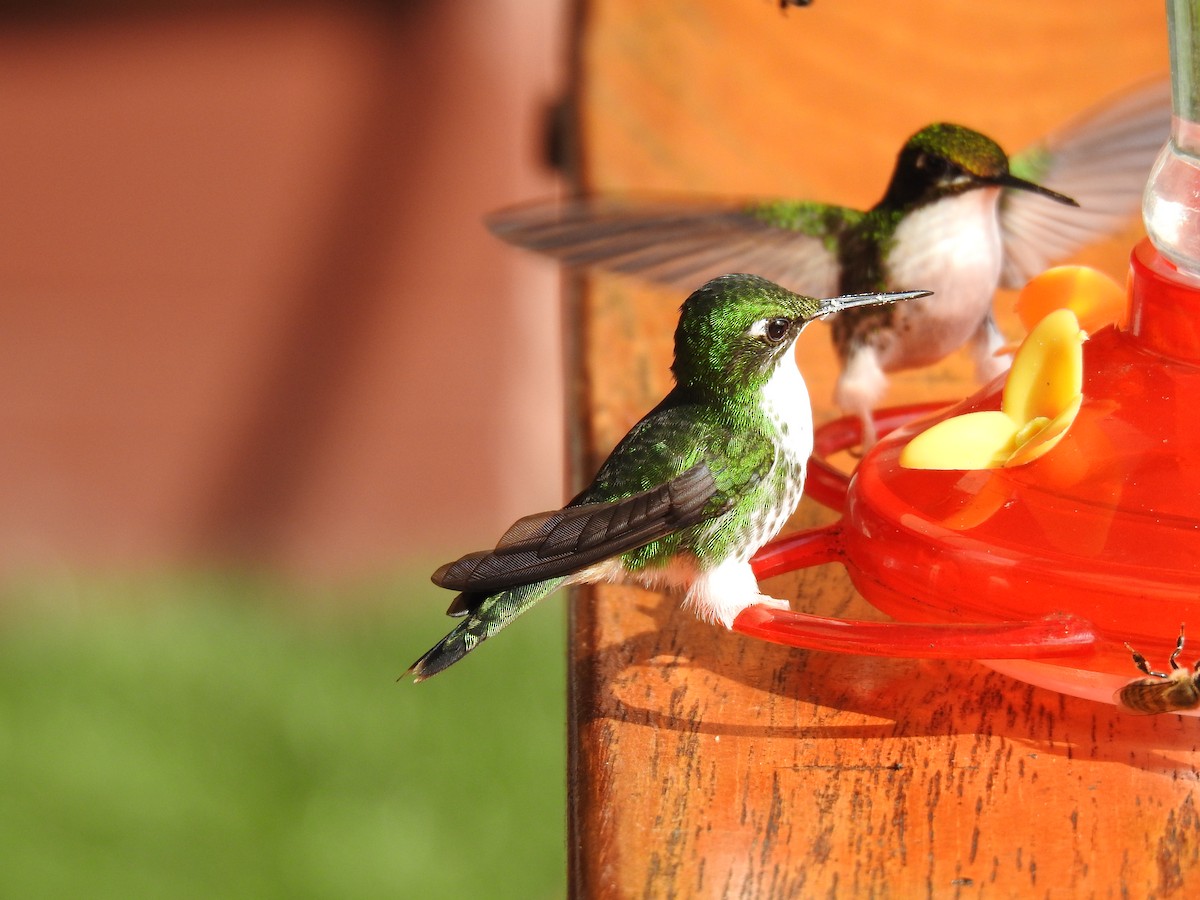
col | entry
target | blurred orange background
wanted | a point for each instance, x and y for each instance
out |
(248, 310)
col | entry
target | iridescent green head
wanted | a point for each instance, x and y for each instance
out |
(943, 159)
(735, 329)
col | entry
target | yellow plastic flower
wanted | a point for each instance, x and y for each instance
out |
(1041, 398)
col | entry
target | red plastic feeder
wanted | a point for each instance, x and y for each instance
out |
(1044, 571)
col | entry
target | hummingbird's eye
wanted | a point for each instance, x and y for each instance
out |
(777, 329)
(936, 166)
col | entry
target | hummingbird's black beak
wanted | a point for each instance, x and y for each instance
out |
(1009, 180)
(849, 301)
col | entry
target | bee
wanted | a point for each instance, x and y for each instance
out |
(1161, 692)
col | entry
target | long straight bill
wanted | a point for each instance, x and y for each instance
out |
(849, 301)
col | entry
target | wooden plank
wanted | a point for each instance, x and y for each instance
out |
(705, 764)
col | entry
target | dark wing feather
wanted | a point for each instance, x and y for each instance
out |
(679, 242)
(1102, 161)
(553, 544)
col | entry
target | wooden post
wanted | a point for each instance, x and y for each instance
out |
(706, 764)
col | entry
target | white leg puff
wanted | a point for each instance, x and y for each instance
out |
(719, 594)
(860, 385)
(986, 344)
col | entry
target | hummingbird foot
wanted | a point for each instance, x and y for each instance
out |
(773, 602)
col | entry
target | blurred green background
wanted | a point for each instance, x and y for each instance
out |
(251, 320)
(213, 736)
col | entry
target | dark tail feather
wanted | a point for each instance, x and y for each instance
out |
(489, 616)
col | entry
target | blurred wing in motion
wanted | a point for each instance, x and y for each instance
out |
(681, 242)
(1102, 160)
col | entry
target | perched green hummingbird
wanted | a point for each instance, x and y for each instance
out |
(957, 218)
(690, 493)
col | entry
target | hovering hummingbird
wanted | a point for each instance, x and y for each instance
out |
(958, 217)
(690, 493)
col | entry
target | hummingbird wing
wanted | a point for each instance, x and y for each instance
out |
(1102, 160)
(552, 544)
(683, 242)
